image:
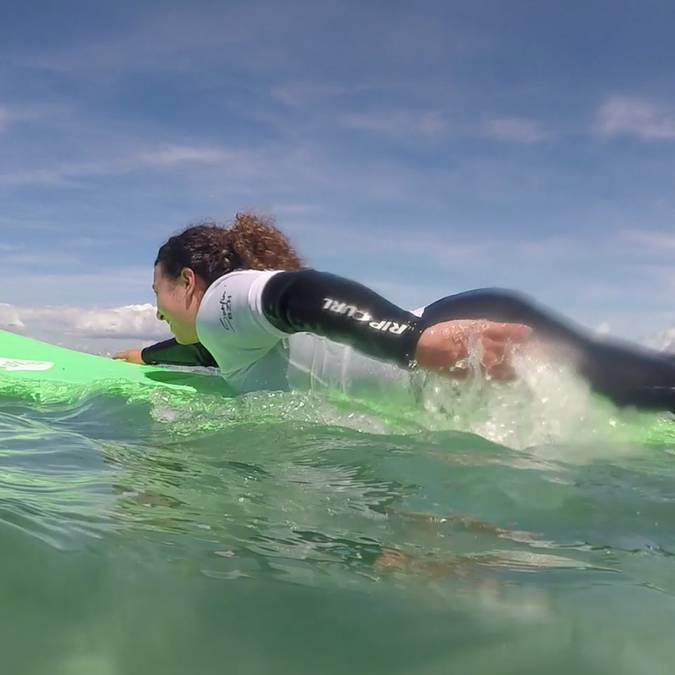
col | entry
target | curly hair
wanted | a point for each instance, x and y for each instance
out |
(250, 242)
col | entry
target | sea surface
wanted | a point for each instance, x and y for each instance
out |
(521, 528)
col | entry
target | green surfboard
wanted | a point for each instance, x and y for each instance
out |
(41, 371)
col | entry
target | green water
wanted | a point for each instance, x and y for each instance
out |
(289, 533)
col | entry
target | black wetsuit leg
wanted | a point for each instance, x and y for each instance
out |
(627, 374)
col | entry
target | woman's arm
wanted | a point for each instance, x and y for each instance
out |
(169, 352)
(351, 313)
(341, 310)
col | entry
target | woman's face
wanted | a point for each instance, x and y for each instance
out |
(178, 302)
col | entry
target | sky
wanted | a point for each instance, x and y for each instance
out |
(423, 148)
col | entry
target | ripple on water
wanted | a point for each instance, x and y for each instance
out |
(300, 532)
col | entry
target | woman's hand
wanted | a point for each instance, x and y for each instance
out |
(444, 347)
(130, 355)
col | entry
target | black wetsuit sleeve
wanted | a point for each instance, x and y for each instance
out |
(344, 311)
(171, 353)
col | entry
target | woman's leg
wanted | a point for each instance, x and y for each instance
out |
(629, 375)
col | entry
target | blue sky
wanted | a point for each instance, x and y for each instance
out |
(424, 148)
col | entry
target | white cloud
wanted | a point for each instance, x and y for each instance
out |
(183, 39)
(232, 37)
(36, 288)
(628, 116)
(513, 130)
(400, 123)
(174, 155)
(650, 239)
(366, 242)
(11, 115)
(301, 94)
(15, 256)
(9, 318)
(295, 209)
(165, 157)
(547, 248)
(132, 321)
(136, 322)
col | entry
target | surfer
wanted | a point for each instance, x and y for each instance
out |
(240, 299)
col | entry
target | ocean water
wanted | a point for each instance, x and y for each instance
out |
(523, 528)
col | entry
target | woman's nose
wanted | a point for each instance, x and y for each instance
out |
(159, 315)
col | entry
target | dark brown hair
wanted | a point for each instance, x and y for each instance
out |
(250, 242)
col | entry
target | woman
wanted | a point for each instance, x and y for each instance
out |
(239, 298)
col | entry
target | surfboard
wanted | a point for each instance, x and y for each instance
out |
(43, 372)
(40, 370)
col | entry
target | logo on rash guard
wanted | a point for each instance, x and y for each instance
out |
(357, 314)
(225, 303)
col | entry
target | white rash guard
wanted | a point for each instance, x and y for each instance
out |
(253, 355)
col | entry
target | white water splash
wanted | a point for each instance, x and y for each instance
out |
(663, 341)
(547, 405)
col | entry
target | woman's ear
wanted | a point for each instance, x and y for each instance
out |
(188, 278)
(192, 283)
